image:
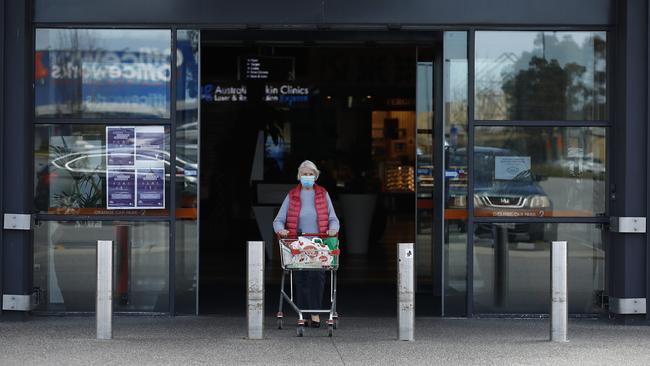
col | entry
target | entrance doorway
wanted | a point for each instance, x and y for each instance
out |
(363, 113)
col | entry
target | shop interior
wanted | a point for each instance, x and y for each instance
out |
(351, 109)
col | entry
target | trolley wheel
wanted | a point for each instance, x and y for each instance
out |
(279, 323)
(300, 331)
(330, 330)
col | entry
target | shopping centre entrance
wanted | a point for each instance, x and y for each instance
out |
(475, 158)
(363, 112)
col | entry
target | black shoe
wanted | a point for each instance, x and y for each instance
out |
(314, 324)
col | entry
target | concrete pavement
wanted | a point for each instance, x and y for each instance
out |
(209, 340)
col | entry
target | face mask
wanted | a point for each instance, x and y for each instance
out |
(307, 180)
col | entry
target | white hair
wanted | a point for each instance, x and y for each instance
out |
(308, 165)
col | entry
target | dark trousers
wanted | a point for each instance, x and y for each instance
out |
(309, 289)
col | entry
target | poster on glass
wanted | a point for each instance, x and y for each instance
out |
(135, 167)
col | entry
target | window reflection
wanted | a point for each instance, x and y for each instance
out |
(88, 73)
(539, 171)
(187, 171)
(540, 75)
(511, 268)
(187, 122)
(455, 89)
(65, 265)
(70, 171)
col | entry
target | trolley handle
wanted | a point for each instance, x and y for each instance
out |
(332, 252)
(324, 235)
(319, 235)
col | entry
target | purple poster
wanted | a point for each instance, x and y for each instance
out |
(150, 143)
(120, 146)
(151, 188)
(120, 192)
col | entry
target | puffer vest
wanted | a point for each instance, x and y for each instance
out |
(293, 213)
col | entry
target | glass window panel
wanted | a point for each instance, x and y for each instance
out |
(455, 265)
(187, 171)
(89, 73)
(525, 75)
(512, 267)
(540, 171)
(424, 169)
(187, 122)
(455, 86)
(65, 265)
(187, 256)
(70, 171)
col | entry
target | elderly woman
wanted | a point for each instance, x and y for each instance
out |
(307, 209)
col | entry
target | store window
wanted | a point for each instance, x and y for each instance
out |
(65, 265)
(102, 73)
(512, 271)
(455, 95)
(101, 170)
(540, 171)
(528, 75)
(187, 171)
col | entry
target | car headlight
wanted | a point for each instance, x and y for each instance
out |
(478, 202)
(539, 202)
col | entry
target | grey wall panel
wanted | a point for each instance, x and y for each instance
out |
(440, 12)
(513, 12)
(627, 252)
(18, 140)
(178, 11)
(2, 123)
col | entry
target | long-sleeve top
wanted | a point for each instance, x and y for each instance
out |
(308, 219)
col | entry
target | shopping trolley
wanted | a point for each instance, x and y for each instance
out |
(308, 252)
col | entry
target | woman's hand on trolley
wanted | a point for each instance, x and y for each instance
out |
(332, 232)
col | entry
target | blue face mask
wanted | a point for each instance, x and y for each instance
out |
(307, 180)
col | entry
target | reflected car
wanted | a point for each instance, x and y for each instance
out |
(519, 196)
(585, 164)
(76, 179)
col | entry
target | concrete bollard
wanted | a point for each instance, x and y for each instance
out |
(405, 292)
(104, 299)
(255, 291)
(559, 305)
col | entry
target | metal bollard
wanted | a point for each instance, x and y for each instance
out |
(559, 305)
(104, 301)
(405, 292)
(255, 292)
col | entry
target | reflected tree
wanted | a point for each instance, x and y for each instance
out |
(560, 76)
(544, 90)
(560, 79)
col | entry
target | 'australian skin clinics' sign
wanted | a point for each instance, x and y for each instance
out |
(283, 93)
